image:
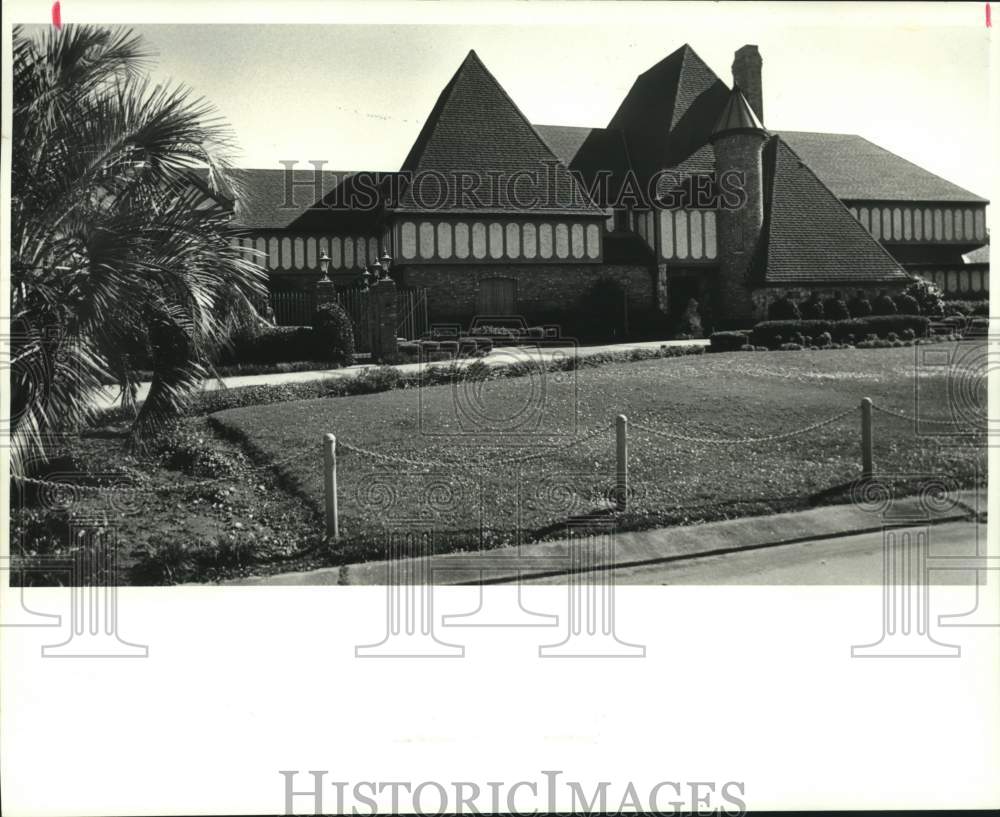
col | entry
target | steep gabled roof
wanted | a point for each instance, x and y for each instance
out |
(589, 151)
(809, 237)
(856, 169)
(475, 127)
(670, 110)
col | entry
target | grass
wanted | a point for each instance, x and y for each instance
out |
(430, 466)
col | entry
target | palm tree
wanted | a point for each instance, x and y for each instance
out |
(118, 242)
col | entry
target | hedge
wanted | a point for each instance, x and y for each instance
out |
(967, 308)
(275, 344)
(731, 341)
(767, 332)
(333, 334)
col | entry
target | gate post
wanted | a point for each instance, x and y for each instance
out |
(383, 317)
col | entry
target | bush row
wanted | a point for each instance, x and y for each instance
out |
(979, 309)
(824, 342)
(383, 378)
(773, 333)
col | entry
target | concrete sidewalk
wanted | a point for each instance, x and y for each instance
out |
(108, 397)
(643, 547)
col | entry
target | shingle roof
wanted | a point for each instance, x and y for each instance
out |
(355, 205)
(809, 237)
(737, 115)
(856, 169)
(262, 198)
(587, 151)
(475, 127)
(670, 110)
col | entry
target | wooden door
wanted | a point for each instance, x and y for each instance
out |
(497, 296)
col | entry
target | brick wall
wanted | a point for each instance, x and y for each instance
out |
(739, 228)
(543, 290)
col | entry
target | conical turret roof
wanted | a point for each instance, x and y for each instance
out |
(737, 116)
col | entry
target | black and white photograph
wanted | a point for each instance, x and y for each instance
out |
(484, 332)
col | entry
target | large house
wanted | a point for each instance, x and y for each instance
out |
(686, 194)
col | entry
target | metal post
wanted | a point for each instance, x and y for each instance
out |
(867, 460)
(330, 478)
(621, 486)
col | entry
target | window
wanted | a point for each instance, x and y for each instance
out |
(530, 240)
(462, 240)
(408, 240)
(444, 239)
(562, 240)
(577, 236)
(426, 239)
(513, 240)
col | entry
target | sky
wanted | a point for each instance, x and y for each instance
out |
(355, 96)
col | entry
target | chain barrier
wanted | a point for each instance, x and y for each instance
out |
(395, 459)
(743, 440)
(173, 487)
(908, 418)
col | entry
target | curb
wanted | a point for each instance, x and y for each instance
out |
(634, 548)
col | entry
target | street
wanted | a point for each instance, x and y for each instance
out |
(853, 560)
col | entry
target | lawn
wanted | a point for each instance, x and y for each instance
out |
(445, 457)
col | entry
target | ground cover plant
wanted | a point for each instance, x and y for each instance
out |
(413, 453)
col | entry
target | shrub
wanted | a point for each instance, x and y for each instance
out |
(884, 305)
(835, 309)
(477, 370)
(960, 307)
(373, 380)
(811, 309)
(784, 309)
(908, 334)
(727, 341)
(892, 336)
(859, 306)
(823, 339)
(790, 347)
(747, 347)
(906, 304)
(334, 334)
(928, 297)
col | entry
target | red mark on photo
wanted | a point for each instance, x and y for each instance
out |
(989, 24)
(57, 15)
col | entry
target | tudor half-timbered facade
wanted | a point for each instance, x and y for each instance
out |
(490, 214)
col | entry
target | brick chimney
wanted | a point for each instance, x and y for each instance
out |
(746, 74)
